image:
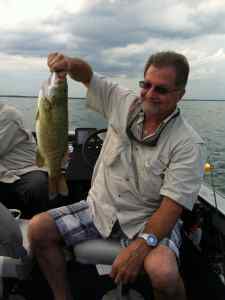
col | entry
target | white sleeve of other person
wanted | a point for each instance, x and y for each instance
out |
(17, 146)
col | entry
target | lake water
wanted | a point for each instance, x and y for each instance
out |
(207, 117)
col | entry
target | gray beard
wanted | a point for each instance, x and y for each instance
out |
(151, 108)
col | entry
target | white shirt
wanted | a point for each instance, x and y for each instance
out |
(17, 146)
(130, 179)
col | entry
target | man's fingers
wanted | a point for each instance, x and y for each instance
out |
(57, 62)
(123, 275)
(126, 267)
(120, 277)
(113, 272)
(51, 58)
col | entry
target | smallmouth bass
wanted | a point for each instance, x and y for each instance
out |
(52, 131)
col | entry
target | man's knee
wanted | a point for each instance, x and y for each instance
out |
(162, 270)
(42, 231)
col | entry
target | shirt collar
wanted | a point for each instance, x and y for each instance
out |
(135, 121)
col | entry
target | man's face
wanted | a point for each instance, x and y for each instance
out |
(160, 94)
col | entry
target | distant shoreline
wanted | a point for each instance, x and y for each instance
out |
(83, 98)
(35, 97)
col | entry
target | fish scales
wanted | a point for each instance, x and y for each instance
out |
(52, 130)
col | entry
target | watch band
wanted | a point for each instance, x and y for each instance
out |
(150, 238)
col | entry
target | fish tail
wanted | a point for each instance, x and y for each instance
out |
(52, 186)
(62, 187)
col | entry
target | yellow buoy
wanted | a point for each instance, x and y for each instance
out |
(208, 167)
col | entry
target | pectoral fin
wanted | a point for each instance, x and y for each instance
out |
(37, 115)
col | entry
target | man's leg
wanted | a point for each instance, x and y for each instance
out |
(162, 269)
(46, 246)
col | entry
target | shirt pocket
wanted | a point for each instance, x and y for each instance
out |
(152, 178)
(157, 167)
(113, 147)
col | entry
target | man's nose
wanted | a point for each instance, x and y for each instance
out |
(150, 92)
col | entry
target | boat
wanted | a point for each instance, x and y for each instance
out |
(202, 253)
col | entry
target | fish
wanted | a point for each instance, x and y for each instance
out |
(52, 132)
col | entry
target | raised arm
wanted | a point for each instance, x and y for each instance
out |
(78, 69)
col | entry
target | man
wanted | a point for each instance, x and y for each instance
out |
(150, 169)
(22, 184)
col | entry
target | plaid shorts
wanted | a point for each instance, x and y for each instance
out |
(75, 225)
(174, 240)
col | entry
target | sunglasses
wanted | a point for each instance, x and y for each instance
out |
(160, 89)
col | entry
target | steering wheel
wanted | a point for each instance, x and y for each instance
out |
(92, 146)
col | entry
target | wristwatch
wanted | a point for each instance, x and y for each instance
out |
(150, 239)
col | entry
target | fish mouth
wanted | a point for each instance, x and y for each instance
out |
(56, 79)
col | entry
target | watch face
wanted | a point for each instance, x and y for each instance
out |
(152, 240)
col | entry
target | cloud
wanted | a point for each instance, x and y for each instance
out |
(19, 62)
(117, 36)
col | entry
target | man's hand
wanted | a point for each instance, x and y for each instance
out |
(129, 262)
(58, 63)
(78, 69)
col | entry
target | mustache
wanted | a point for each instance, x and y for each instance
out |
(151, 106)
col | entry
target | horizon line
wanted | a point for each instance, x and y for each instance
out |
(83, 98)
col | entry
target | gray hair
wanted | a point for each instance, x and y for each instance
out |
(171, 59)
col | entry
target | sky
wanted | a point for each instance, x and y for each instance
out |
(115, 36)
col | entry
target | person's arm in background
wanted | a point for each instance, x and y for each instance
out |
(10, 132)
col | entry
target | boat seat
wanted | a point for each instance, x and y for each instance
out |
(16, 257)
(103, 252)
(98, 251)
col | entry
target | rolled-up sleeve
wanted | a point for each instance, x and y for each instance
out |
(184, 175)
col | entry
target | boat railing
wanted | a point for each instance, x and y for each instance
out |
(208, 195)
